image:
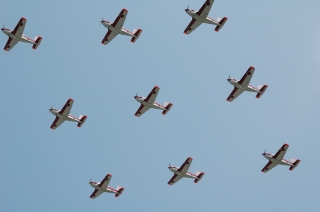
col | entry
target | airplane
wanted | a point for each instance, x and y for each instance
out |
(201, 16)
(103, 187)
(276, 159)
(116, 28)
(16, 35)
(243, 85)
(149, 102)
(63, 115)
(180, 172)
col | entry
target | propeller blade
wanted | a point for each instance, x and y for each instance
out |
(90, 180)
(229, 76)
(3, 25)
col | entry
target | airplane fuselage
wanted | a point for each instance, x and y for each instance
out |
(122, 31)
(68, 118)
(154, 105)
(187, 174)
(206, 20)
(107, 189)
(281, 162)
(249, 88)
(21, 38)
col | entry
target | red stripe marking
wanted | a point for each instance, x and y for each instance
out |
(172, 179)
(266, 167)
(54, 123)
(104, 179)
(138, 111)
(189, 26)
(18, 25)
(94, 193)
(232, 93)
(184, 164)
(151, 93)
(65, 106)
(203, 7)
(114, 24)
(280, 150)
(245, 75)
(7, 44)
(106, 37)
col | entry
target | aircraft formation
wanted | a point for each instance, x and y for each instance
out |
(115, 28)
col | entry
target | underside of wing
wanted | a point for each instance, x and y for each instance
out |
(56, 123)
(142, 109)
(270, 165)
(174, 179)
(65, 111)
(281, 152)
(234, 94)
(245, 80)
(152, 95)
(18, 30)
(109, 36)
(118, 23)
(205, 9)
(10, 44)
(185, 166)
(192, 26)
(96, 193)
(105, 182)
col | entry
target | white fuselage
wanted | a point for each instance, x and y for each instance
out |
(187, 174)
(154, 105)
(21, 38)
(107, 189)
(281, 162)
(249, 88)
(122, 31)
(206, 20)
(69, 117)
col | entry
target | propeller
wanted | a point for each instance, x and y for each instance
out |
(90, 180)
(50, 108)
(264, 152)
(187, 8)
(3, 25)
(169, 165)
(136, 95)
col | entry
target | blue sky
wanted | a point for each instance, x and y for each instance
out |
(46, 170)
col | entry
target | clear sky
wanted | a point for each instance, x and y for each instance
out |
(46, 170)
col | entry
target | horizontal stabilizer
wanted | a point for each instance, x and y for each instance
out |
(221, 23)
(82, 120)
(37, 42)
(261, 91)
(168, 107)
(295, 164)
(120, 190)
(136, 35)
(199, 177)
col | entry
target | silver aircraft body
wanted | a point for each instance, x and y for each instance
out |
(17, 35)
(103, 186)
(201, 16)
(182, 171)
(277, 159)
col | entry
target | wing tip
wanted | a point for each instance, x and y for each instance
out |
(252, 67)
(190, 158)
(156, 86)
(124, 9)
(70, 99)
(23, 18)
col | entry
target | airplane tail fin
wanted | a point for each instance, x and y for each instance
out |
(136, 35)
(295, 164)
(119, 191)
(261, 91)
(199, 177)
(168, 107)
(37, 42)
(221, 23)
(82, 120)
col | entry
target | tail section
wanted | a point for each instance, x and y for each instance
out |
(119, 191)
(37, 42)
(261, 90)
(168, 107)
(136, 35)
(295, 164)
(221, 23)
(199, 177)
(82, 120)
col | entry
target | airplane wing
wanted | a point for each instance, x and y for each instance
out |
(269, 166)
(105, 182)
(18, 31)
(185, 166)
(142, 109)
(234, 94)
(118, 23)
(175, 179)
(245, 80)
(109, 36)
(281, 152)
(192, 26)
(56, 123)
(152, 95)
(67, 108)
(10, 44)
(205, 9)
(96, 193)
